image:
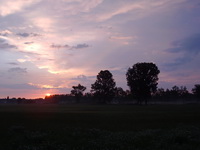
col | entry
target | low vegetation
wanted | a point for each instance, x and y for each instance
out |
(100, 127)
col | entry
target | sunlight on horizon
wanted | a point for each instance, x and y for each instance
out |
(48, 94)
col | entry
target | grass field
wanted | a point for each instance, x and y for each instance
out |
(100, 127)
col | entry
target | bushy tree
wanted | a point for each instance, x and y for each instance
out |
(104, 86)
(78, 91)
(196, 90)
(142, 80)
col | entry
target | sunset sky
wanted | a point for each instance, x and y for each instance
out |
(48, 46)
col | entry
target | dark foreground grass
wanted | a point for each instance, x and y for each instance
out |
(106, 127)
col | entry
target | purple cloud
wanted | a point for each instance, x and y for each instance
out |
(17, 70)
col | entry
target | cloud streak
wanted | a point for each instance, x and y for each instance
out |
(78, 46)
(28, 34)
(5, 45)
(45, 86)
(138, 8)
(17, 70)
(189, 45)
(13, 63)
(5, 33)
(9, 6)
(59, 46)
(189, 48)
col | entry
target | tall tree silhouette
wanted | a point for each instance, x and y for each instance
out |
(196, 90)
(104, 86)
(142, 79)
(78, 92)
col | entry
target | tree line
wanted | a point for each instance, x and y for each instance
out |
(142, 80)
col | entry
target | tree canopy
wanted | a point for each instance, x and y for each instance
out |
(142, 79)
(104, 86)
(196, 90)
(78, 91)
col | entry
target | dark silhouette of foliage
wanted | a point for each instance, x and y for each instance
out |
(160, 94)
(142, 79)
(104, 86)
(196, 90)
(54, 99)
(119, 92)
(183, 92)
(78, 91)
(174, 93)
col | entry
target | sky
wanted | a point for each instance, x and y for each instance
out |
(48, 46)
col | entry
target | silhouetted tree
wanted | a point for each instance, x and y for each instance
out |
(78, 91)
(104, 86)
(142, 79)
(175, 92)
(196, 90)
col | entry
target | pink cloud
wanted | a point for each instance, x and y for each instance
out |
(9, 6)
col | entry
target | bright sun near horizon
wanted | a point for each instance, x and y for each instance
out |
(48, 94)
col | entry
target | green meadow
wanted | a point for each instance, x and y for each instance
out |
(99, 127)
